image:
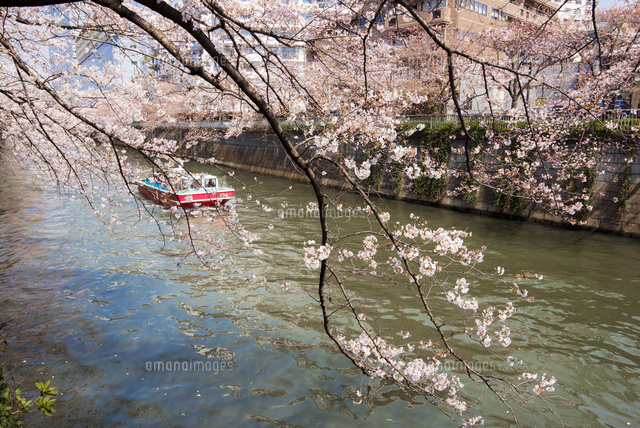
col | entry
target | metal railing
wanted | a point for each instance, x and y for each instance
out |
(622, 120)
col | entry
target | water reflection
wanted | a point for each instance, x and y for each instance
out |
(90, 310)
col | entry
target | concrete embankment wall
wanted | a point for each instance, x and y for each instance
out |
(616, 192)
(257, 151)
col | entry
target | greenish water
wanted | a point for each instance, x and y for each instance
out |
(104, 313)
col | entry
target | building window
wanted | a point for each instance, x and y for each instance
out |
(362, 21)
(288, 53)
(437, 14)
(498, 14)
(473, 6)
(464, 35)
(433, 4)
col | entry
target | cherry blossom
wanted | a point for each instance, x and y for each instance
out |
(336, 89)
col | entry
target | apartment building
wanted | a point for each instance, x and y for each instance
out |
(574, 10)
(463, 21)
(463, 18)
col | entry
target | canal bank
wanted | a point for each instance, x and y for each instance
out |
(615, 190)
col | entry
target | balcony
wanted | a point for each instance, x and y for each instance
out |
(433, 17)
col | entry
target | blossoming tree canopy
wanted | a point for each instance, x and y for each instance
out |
(77, 74)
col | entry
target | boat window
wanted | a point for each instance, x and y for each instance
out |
(210, 182)
(196, 184)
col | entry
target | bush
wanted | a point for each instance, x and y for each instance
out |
(13, 406)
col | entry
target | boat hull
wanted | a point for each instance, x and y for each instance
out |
(187, 199)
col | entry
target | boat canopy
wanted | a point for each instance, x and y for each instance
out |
(197, 182)
(182, 180)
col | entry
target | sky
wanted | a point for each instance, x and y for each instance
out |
(606, 4)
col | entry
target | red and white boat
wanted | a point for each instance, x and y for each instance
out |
(185, 190)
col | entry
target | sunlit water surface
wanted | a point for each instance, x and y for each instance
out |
(103, 313)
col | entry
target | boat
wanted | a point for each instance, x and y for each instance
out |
(178, 188)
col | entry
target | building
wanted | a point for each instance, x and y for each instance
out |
(99, 49)
(574, 10)
(475, 27)
(464, 18)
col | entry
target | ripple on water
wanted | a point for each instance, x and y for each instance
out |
(94, 310)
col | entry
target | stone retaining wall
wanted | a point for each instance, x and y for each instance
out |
(259, 151)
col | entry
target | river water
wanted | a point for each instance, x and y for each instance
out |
(104, 314)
